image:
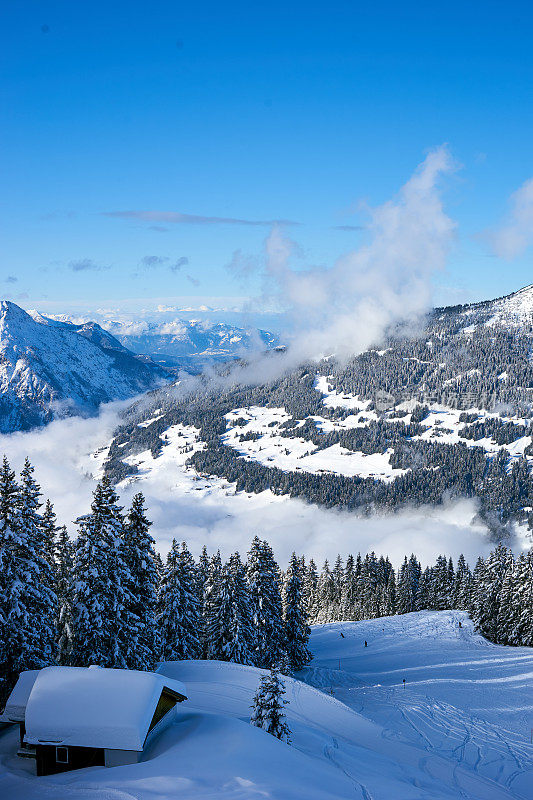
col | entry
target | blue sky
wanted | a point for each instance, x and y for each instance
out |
(248, 112)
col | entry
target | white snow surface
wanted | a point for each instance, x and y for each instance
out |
(459, 730)
(94, 707)
(516, 308)
(295, 454)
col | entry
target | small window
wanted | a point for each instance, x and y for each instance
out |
(61, 755)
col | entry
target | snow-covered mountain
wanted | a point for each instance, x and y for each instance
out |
(415, 420)
(191, 344)
(514, 310)
(50, 369)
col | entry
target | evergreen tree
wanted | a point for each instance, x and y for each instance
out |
(230, 634)
(267, 607)
(64, 589)
(487, 591)
(179, 607)
(210, 598)
(408, 598)
(27, 600)
(326, 594)
(139, 556)
(310, 593)
(462, 593)
(101, 623)
(50, 533)
(268, 707)
(297, 631)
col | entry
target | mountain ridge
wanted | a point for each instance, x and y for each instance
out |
(50, 369)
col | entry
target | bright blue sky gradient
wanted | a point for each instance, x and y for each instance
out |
(253, 111)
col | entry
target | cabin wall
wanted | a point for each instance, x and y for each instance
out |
(50, 758)
(117, 758)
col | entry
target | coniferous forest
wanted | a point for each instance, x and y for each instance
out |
(107, 597)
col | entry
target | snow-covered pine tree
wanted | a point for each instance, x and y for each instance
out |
(338, 578)
(389, 596)
(489, 577)
(267, 606)
(326, 595)
(38, 573)
(407, 588)
(102, 626)
(268, 707)
(139, 555)
(462, 593)
(348, 598)
(310, 593)
(297, 631)
(230, 633)
(202, 570)
(505, 619)
(179, 607)
(27, 600)
(522, 602)
(64, 588)
(50, 533)
(210, 598)
(441, 586)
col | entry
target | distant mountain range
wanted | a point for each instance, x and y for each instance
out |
(51, 368)
(192, 344)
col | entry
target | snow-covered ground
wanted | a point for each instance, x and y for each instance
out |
(295, 454)
(465, 700)
(459, 729)
(267, 445)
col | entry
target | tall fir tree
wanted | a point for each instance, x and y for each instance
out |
(27, 600)
(266, 603)
(297, 631)
(64, 587)
(230, 633)
(139, 556)
(179, 607)
(102, 625)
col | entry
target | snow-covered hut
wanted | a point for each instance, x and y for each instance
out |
(15, 710)
(89, 716)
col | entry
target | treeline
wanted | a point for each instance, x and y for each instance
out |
(106, 598)
(498, 593)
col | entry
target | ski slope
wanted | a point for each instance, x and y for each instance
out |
(457, 730)
(465, 700)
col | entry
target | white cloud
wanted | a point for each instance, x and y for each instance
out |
(515, 235)
(345, 308)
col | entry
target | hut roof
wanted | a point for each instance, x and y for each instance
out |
(95, 707)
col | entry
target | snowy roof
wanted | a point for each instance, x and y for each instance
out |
(16, 702)
(95, 707)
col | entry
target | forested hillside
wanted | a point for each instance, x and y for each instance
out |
(424, 416)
